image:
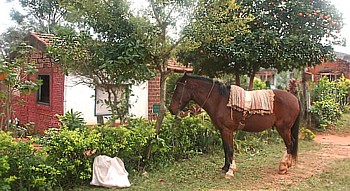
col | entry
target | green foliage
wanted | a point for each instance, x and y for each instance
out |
(258, 84)
(187, 136)
(327, 97)
(242, 36)
(5, 176)
(72, 120)
(306, 134)
(112, 58)
(16, 71)
(23, 167)
(128, 142)
(68, 152)
(326, 112)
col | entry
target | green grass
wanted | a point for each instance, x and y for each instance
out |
(204, 172)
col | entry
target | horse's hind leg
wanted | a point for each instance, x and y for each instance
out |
(286, 161)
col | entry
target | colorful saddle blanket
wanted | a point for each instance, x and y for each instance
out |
(254, 102)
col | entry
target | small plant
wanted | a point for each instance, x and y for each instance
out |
(72, 120)
(306, 134)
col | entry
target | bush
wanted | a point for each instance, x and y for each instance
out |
(128, 142)
(23, 167)
(326, 112)
(68, 152)
(327, 98)
(306, 134)
(186, 137)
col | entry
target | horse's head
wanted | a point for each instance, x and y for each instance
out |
(181, 95)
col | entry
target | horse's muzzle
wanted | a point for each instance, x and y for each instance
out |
(172, 111)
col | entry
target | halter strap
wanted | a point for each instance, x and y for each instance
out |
(206, 99)
(183, 89)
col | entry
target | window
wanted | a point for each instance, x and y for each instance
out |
(43, 95)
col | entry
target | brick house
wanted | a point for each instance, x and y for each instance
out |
(60, 93)
(332, 70)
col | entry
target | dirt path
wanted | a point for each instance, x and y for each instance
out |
(310, 163)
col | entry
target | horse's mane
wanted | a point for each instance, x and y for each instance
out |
(223, 89)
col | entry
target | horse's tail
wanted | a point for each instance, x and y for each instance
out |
(295, 134)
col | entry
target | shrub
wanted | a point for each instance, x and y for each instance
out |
(186, 136)
(72, 120)
(128, 142)
(306, 134)
(326, 112)
(325, 106)
(68, 152)
(22, 167)
(5, 176)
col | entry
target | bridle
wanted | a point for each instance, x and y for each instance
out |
(183, 90)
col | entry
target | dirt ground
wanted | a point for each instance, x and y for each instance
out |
(310, 163)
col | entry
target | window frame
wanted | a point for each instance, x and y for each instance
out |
(46, 83)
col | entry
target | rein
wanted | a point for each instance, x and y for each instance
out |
(206, 99)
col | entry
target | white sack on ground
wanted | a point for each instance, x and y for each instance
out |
(109, 172)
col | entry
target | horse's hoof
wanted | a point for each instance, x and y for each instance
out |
(282, 172)
(229, 176)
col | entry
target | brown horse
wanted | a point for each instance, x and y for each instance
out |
(213, 97)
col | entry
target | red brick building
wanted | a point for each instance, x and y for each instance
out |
(332, 70)
(42, 106)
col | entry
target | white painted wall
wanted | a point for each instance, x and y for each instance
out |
(139, 101)
(80, 97)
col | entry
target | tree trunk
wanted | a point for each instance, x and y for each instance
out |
(237, 80)
(162, 109)
(251, 81)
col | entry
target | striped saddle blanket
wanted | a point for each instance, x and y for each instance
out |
(254, 102)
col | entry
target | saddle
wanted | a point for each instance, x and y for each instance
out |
(252, 102)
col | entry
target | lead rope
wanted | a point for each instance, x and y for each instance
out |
(206, 99)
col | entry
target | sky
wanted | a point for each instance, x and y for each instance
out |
(341, 5)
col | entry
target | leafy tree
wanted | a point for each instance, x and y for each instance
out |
(45, 16)
(166, 14)
(41, 15)
(111, 58)
(162, 38)
(283, 34)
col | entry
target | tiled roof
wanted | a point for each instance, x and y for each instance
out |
(177, 67)
(39, 41)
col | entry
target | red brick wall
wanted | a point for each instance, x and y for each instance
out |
(153, 92)
(339, 65)
(43, 115)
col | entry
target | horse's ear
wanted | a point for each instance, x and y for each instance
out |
(185, 74)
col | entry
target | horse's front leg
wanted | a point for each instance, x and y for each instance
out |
(227, 140)
(227, 159)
